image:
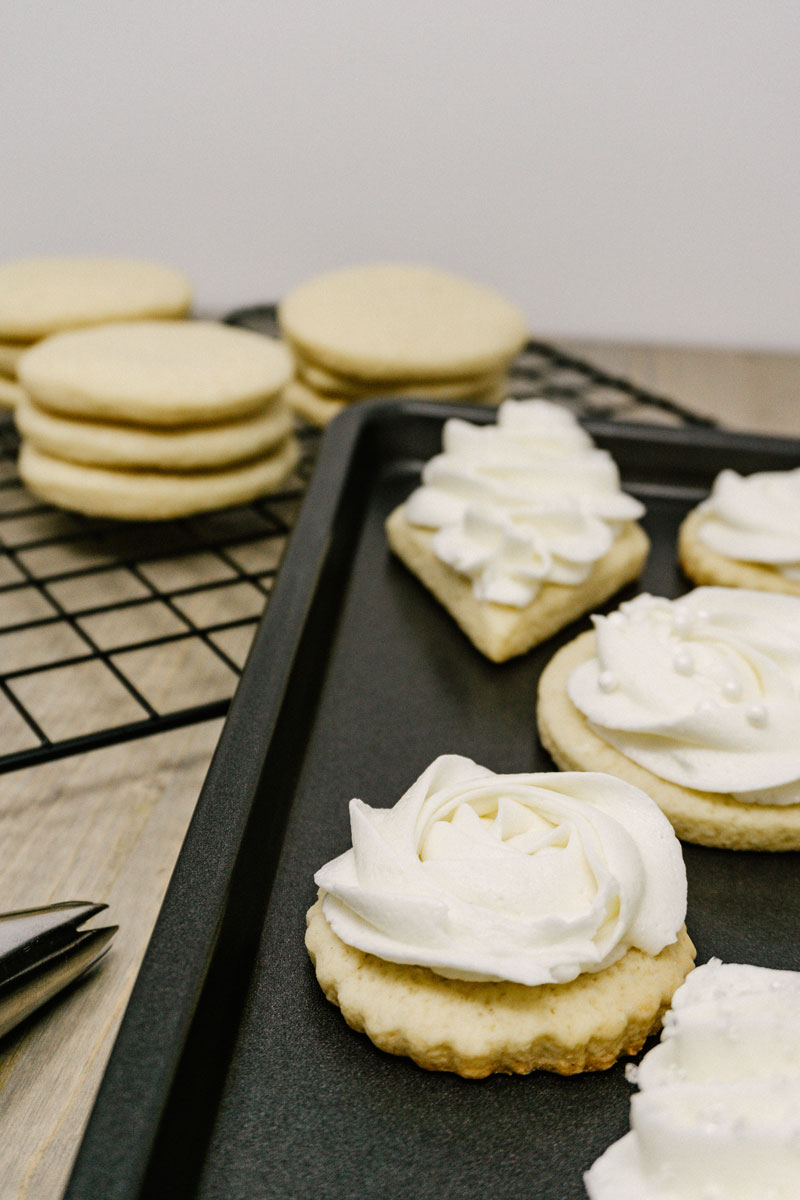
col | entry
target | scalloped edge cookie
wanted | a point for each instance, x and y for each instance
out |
(479, 1029)
(706, 818)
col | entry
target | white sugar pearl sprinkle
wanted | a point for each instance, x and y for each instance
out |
(757, 715)
(607, 681)
(683, 662)
(681, 618)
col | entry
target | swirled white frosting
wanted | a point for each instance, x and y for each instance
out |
(529, 878)
(754, 519)
(703, 691)
(717, 1116)
(526, 501)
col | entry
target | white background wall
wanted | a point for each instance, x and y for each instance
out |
(621, 168)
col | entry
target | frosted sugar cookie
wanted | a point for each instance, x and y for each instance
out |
(747, 533)
(697, 702)
(43, 295)
(401, 321)
(156, 372)
(716, 1111)
(185, 448)
(504, 923)
(519, 527)
(150, 495)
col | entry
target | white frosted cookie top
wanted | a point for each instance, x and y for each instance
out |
(528, 878)
(717, 1116)
(703, 691)
(754, 519)
(156, 372)
(401, 321)
(524, 502)
(42, 295)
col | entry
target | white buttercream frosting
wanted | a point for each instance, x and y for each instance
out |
(703, 691)
(754, 519)
(526, 501)
(528, 878)
(717, 1116)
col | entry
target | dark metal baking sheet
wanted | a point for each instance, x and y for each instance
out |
(232, 1076)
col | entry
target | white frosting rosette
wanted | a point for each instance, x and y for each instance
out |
(754, 519)
(717, 1116)
(703, 691)
(526, 501)
(528, 878)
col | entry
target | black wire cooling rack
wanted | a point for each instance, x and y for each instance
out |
(154, 620)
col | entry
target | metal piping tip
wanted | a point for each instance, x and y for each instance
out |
(42, 951)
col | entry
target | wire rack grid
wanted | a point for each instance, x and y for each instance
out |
(153, 621)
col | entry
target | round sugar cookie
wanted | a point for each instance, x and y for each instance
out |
(11, 394)
(310, 405)
(199, 447)
(706, 566)
(156, 372)
(707, 818)
(401, 321)
(477, 1029)
(10, 354)
(348, 388)
(39, 296)
(150, 495)
(319, 409)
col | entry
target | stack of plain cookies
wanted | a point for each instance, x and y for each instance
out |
(154, 419)
(41, 296)
(396, 329)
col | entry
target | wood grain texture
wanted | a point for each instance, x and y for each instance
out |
(745, 390)
(107, 826)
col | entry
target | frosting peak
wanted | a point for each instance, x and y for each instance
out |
(528, 878)
(518, 503)
(703, 691)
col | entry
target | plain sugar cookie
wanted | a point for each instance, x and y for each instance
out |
(10, 354)
(156, 372)
(189, 448)
(150, 495)
(401, 321)
(42, 295)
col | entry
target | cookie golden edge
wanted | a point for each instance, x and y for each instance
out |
(310, 318)
(705, 818)
(148, 495)
(318, 409)
(118, 446)
(703, 565)
(480, 1029)
(497, 630)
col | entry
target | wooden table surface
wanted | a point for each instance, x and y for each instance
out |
(108, 825)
